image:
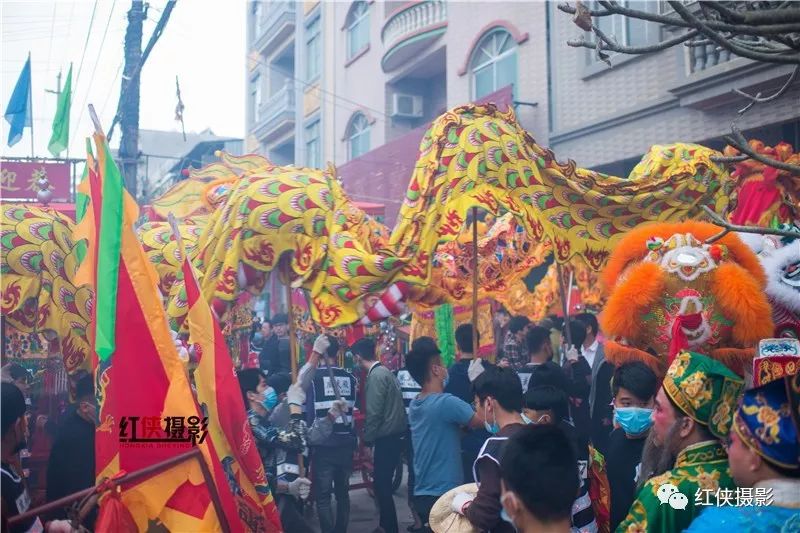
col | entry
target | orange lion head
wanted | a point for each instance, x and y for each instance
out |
(670, 291)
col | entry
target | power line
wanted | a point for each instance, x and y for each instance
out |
(116, 77)
(71, 14)
(94, 69)
(86, 44)
(159, 29)
(321, 90)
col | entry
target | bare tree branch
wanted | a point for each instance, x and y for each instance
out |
(719, 221)
(566, 8)
(613, 46)
(738, 141)
(793, 59)
(760, 100)
(721, 159)
(778, 24)
(727, 14)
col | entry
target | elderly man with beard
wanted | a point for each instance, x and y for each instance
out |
(764, 451)
(693, 409)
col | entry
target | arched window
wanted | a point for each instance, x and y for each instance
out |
(357, 29)
(494, 63)
(358, 136)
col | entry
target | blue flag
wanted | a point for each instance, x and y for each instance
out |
(18, 112)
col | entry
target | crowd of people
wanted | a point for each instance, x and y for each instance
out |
(552, 436)
(549, 437)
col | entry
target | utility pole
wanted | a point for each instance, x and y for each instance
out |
(129, 106)
(57, 92)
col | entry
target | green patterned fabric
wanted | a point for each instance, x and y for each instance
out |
(704, 389)
(700, 467)
(445, 336)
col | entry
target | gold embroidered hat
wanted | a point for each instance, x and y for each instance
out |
(704, 389)
(766, 424)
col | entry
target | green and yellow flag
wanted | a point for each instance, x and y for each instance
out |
(59, 140)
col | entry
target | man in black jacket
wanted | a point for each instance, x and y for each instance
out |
(70, 467)
(600, 396)
(579, 374)
(274, 357)
(460, 386)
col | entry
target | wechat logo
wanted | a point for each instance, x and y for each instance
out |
(669, 493)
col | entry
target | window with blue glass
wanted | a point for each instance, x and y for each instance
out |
(625, 30)
(358, 136)
(313, 50)
(494, 63)
(313, 146)
(357, 29)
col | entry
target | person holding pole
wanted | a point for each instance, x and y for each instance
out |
(277, 447)
(332, 388)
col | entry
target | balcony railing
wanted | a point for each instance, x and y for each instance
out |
(412, 20)
(277, 23)
(700, 58)
(277, 113)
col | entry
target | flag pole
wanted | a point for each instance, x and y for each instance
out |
(30, 102)
(292, 330)
(474, 281)
(96, 121)
(564, 303)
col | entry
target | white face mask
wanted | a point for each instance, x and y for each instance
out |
(503, 513)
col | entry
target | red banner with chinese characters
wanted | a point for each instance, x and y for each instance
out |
(19, 180)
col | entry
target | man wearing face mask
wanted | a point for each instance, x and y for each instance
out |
(634, 386)
(70, 467)
(436, 419)
(277, 447)
(693, 409)
(539, 480)
(498, 403)
(547, 405)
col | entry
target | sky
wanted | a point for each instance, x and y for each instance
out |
(203, 44)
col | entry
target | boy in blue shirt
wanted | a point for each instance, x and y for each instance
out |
(436, 419)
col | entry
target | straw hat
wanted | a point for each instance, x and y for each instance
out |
(444, 520)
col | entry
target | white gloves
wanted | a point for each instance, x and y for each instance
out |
(183, 353)
(460, 502)
(475, 369)
(300, 488)
(295, 395)
(338, 408)
(572, 354)
(322, 344)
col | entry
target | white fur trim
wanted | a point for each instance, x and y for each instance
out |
(773, 266)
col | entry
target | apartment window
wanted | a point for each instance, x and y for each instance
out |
(313, 50)
(358, 136)
(357, 29)
(255, 98)
(494, 63)
(627, 31)
(313, 147)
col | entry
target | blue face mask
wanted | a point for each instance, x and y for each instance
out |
(525, 419)
(492, 428)
(270, 399)
(634, 421)
(446, 378)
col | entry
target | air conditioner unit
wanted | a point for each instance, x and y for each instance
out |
(406, 106)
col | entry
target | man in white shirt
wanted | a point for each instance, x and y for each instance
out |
(600, 395)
